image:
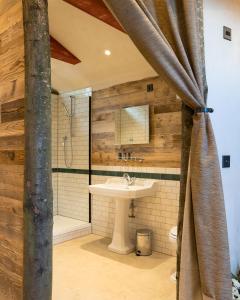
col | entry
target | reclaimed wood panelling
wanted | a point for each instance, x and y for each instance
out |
(12, 143)
(12, 111)
(11, 128)
(164, 149)
(11, 149)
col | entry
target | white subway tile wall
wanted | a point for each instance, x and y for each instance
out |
(71, 195)
(80, 132)
(55, 193)
(54, 131)
(158, 213)
(55, 151)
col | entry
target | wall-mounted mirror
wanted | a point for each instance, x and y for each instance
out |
(132, 125)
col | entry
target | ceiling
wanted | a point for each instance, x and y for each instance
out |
(86, 37)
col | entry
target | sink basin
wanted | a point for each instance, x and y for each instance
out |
(117, 188)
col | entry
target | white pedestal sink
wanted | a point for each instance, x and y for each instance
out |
(117, 188)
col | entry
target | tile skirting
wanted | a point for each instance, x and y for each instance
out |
(144, 175)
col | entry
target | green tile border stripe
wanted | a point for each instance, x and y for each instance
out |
(70, 171)
(159, 176)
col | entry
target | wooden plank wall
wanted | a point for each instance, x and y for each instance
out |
(11, 148)
(164, 149)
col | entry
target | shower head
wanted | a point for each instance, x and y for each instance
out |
(69, 112)
(66, 110)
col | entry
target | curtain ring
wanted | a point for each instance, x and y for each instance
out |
(203, 110)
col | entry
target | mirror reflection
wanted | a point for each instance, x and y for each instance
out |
(132, 125)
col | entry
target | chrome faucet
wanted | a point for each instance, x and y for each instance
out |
(129, 180)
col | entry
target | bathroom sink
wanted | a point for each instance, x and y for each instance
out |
(118, 188)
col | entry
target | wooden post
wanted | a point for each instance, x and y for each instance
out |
(38, 202)
(187, 123)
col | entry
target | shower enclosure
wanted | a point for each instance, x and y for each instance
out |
(70, 162)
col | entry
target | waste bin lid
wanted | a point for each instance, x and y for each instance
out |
(144, 232)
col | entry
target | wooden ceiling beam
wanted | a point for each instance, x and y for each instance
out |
(61, 53)
(97, 9)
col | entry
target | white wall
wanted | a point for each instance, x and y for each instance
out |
(223, 75)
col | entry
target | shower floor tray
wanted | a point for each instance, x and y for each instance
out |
(65, 229)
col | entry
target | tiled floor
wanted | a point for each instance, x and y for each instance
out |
(84, 269)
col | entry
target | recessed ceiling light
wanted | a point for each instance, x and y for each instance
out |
(107, 52)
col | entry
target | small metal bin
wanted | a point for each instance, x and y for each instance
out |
(144, 242)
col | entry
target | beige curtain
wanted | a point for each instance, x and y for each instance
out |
(168, 33)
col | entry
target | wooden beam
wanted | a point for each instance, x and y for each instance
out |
(54, 91)
(38, 198)
(97, 9)
(61, 53)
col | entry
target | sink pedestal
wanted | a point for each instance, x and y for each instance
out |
(121, 242)
(116, 188)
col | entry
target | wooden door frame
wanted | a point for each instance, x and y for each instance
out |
(38, 199)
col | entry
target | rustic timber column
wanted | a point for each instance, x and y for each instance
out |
(38, 216)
